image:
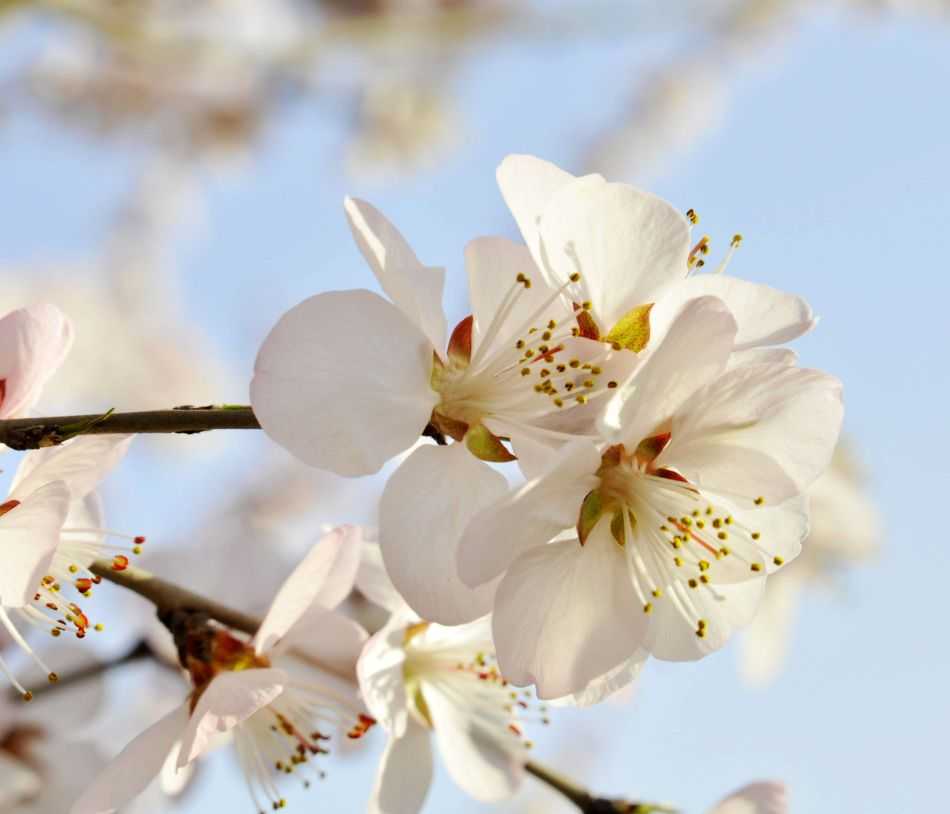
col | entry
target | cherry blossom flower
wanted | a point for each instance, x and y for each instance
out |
(765, 797)
(51, 531)
(692, 501)
(34, 342)
(845, 531)
(423, 681)
(278, 715)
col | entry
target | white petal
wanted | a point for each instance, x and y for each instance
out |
(405, 773)
(760, 430)
(327, 640)
(81, 464)
(414, 288)
(134, 767)
(759, 356)
(324, 578)
(529, 516)
(342, 382)
(18, 782)
(766, 316)
(566, 614)
(489, 766)
(610, 684)
(227, 701)
(425, 506)
(630, 245)
(764, 645)
(724, 608)
(528, 184)
(33, 343)
(374, 583)
(29, 534)
(756, 798)
(694, 351)
(380, 671)
(492, 264)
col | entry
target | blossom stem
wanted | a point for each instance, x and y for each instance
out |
(36, 433)
(584, 800)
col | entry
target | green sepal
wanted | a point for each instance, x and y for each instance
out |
(591, 511)
(486, 446)
(632, 330)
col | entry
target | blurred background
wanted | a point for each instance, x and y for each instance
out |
(171, 175)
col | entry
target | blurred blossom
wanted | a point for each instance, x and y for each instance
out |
(846, 531)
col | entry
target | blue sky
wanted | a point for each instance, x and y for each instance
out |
(832, 160)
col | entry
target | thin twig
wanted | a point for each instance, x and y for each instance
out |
(35, 433)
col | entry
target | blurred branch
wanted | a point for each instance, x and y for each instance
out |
(584, 800)
(36, 433)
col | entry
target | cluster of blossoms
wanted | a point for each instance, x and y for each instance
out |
(666, 439)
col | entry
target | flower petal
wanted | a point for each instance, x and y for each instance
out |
(34, 342)
(489, 767)
(694, 351)
(326, 640)
(610, 683)
(405, 773)
(723, 608)
(766, 316)
(415, 289)
(566, 614)
(134, 767)
(342, 382)
(381, 678)
(528, 184)
(629, 245)
(766, 797)
(82, 464)
(325, 578)
(29, 535)
(18, 782)
(425, 506)
(373, 581)
(764, 645)
(529, 516)
(229, 700)
(759, 431)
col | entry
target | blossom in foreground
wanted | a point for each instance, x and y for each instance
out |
(51, 531)
(34, 342)
(423, 681)
(846, 530)
(693, 499)
(277, 694)
(764, 797)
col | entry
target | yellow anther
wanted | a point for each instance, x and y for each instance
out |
(657, 593)
(693, 583)
(704, 578)
(558, 403)
(723, 535)
(575, 363)
(728, 520)
(575, 277)
(53, 678)
(561, 368)
(759, 501)
(596, 370)
(648, 607)
(73, 569)
(587, 305)
(701, 632)
(703, 565)
(717, 523)
(692, 216)
(701, 624)
(736, 241)
(755, 535)
(678, 561)
(588, 382)
(551, 325)
(611, 384)
(778, 560)
(525, 371)
(99, 627)
(519, 344)
(582, 399)
(546, 336)
(756, 566)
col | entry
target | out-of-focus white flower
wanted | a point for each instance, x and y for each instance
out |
(846, 530)
(52, 531)
(275, 714)
(694, 500)
(766, 797)
(423, 681)
(34, 342)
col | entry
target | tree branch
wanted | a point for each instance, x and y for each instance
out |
(584, 801)
(35, 433)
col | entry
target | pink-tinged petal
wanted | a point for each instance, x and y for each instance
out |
(566, 614)
(342, 382)
(487, 765)
(528, 184)
(493, 265)
(405, 773)
(424, 509)
(764, 645)
(381, 678)
(766, 797)
(229, 700)
(766, 316)
(725, 608)
(415, 289)
(81, 464)
(529, 516)
(629, 245)
(34, 342)
(374, 583)
(759, 431)
(134, 767)
(694, 351)
(611, 684)
(29, 534)
(324, 578)
(327, 640)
